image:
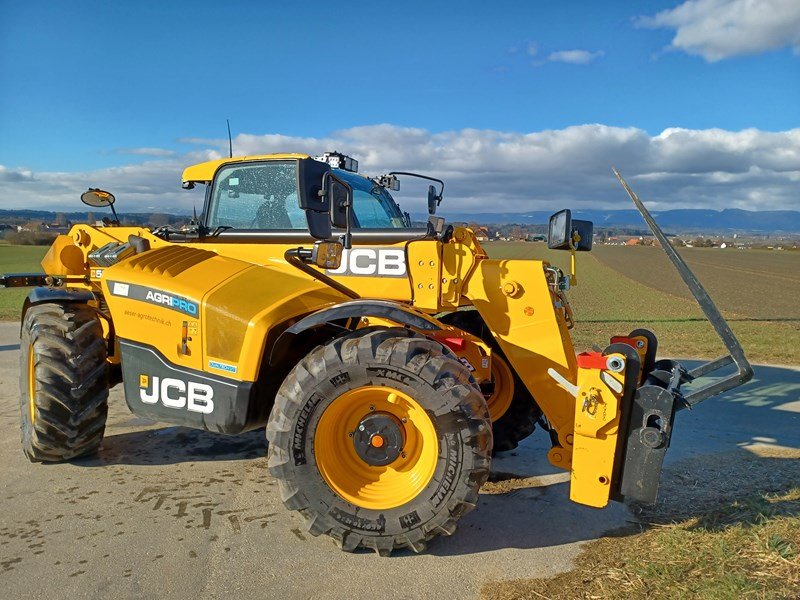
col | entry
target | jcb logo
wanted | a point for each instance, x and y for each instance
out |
(174, 393)
(386, 262)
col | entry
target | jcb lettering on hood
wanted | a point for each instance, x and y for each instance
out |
(360, 262)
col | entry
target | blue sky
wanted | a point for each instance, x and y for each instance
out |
(87, 86)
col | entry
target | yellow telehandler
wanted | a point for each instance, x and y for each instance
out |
(387, 362)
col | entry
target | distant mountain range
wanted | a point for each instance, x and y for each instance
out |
(683, 220)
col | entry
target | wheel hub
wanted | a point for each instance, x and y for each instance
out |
(379, 439)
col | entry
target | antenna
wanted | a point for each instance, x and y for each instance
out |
(230, 141)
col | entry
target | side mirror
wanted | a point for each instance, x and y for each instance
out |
(564, 232)
(340, 200)
(311, 200)
(97, 198)
(559, 229)
(433, 200)
(327, 255)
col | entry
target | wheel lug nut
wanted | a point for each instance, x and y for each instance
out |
(371, 407)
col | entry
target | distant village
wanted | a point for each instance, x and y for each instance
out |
(41, 228)
(623, 236)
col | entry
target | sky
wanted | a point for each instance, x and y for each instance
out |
(517, 105)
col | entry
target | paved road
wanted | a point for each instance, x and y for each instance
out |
(169, 512)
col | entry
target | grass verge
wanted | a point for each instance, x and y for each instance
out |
(694, 544)
(17, 259)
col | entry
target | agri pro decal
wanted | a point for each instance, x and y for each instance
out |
(152, 296)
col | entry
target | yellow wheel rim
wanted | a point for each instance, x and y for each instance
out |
(350, 476)
(503, 394)
(31, 384)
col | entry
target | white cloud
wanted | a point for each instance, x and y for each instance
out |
(15, 175)
(575, 57)
(719, 29)
(484, 170)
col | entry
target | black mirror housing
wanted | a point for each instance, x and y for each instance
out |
(317, 207)
(585, 233)
(340, 196)
(433, 200)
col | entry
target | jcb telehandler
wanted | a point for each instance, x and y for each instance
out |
(386, 362)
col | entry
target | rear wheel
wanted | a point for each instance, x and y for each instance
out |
(513, 410)
(381, 440)
(63, 382)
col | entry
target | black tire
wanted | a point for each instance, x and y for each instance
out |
(427, 372)
(63, 364)
(519, 420)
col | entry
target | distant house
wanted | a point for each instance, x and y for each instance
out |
(56, 228)
(482, 234)
(31, 226)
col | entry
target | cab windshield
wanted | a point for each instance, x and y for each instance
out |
(263, 195)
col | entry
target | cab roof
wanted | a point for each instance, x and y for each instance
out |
(204, 172)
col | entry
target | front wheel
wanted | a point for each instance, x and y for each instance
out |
(63, 382)
(381, 440)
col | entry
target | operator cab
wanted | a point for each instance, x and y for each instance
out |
(263, 195)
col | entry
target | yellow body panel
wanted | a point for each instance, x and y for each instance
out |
(64, 258)
(424, 268)
(514, 299)
(597, 419)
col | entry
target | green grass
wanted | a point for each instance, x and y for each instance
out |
(17, 259)
(756, 558)
(608, 302)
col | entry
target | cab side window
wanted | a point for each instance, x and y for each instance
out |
(257, 196)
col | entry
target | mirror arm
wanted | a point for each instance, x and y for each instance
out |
(347, 242)
(114, 212)
(439, 181)
(573, 262)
